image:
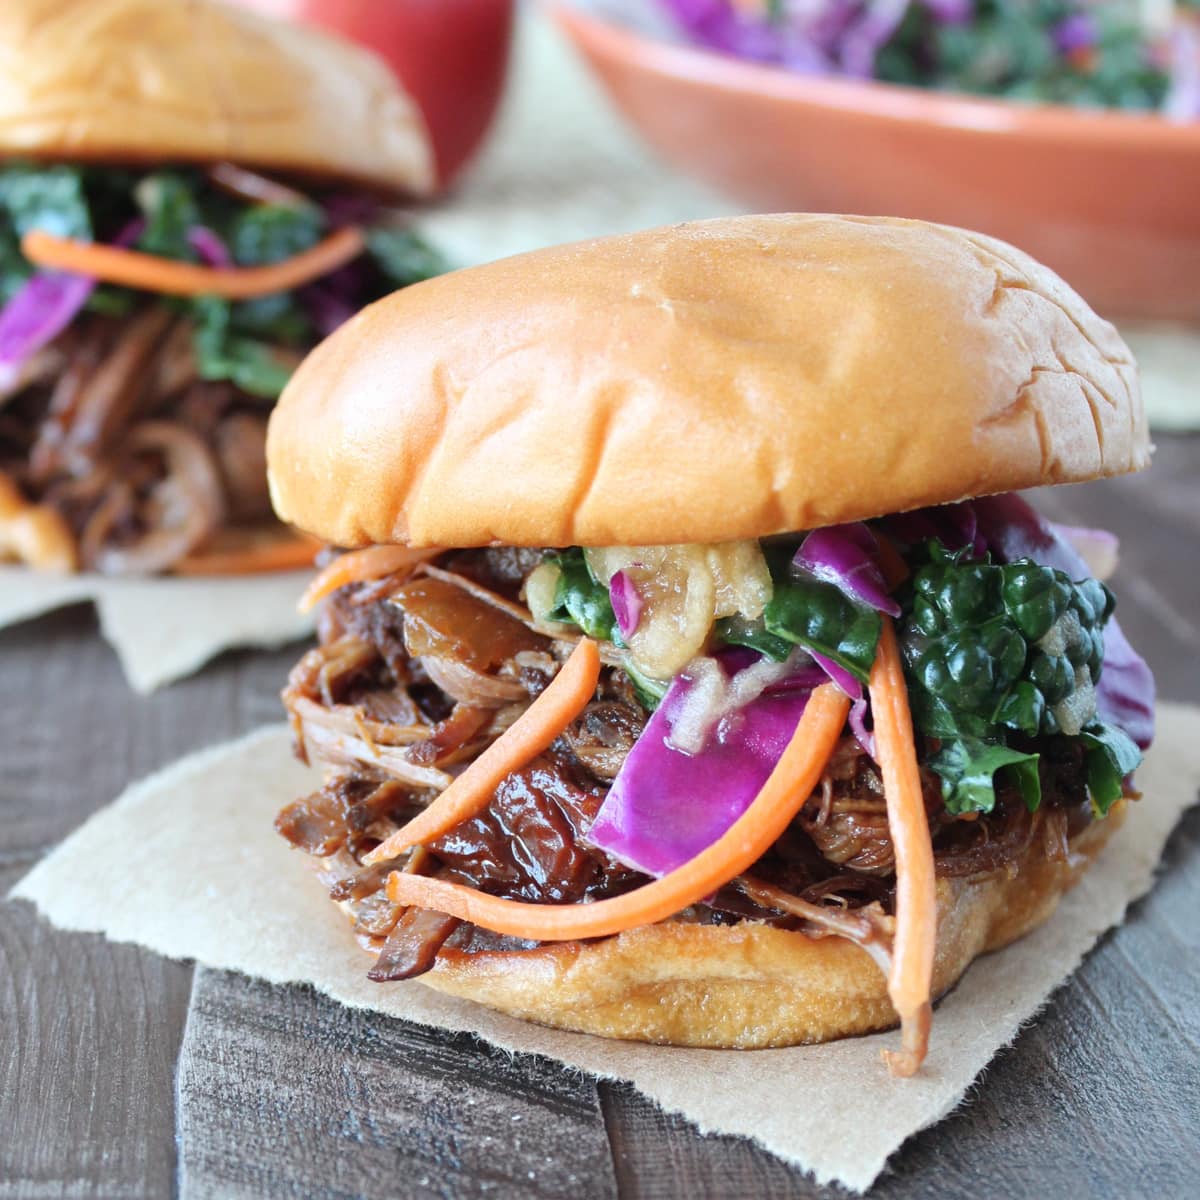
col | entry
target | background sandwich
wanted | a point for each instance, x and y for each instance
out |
(189, 200)
(700, 679)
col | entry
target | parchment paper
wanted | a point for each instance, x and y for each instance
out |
(165, 628)
(204, 876)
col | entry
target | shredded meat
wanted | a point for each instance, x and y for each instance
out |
(111, 428)
(414, 675)
(603, 735)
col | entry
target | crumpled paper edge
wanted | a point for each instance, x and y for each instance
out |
(166, 627)
(75, 890)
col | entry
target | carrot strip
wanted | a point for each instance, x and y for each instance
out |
(562, 701)
(911, 978)
(895, 569)
(279, 554)
(750, 836)
(149, 272)
(359, 566)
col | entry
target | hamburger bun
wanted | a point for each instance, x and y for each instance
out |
(195, 81)
(750, 986)
(723, 379)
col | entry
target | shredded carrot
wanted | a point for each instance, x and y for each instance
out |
(891, 563)
(149, 272)
(750, 836)
(471, 792)
(278, 554)
(911, 977)
(359, 566)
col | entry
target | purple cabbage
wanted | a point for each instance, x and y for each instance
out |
(208, 244)
(626, 603)
(839, 675)
(665, 806)
(847, 557)
(869, 34)
(327, 309)
(835, 36)
(1125, 695)
(42, 308)
(858, 725)
(950, 12)
(350, 208)
(1076, 32)
(954, 525)
(333, 299)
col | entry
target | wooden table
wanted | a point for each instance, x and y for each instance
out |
(125, 1075)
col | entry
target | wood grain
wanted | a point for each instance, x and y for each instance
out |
(283, 1093)
(89, 1031)
(87, 1050)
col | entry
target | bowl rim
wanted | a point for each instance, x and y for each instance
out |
(898, 103)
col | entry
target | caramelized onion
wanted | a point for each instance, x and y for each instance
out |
(179, 512)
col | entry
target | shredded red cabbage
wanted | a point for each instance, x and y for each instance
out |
(350, 208)
(43, 307)
(839, 675)
(847, 557)
(833, 36)
(626, 602)
(1017, 47)
(1076, 32)
(858, 725)
(954, 525)
(208, 244)
(665, 806)
(866, 36)
(331, 301)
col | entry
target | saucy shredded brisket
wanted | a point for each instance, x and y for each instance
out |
(142, 459)
(413, 676)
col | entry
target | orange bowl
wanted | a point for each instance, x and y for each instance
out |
(1111, 200)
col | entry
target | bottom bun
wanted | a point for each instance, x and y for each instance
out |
(750, 986)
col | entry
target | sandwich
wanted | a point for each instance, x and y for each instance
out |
(191, 197)
(690, 668)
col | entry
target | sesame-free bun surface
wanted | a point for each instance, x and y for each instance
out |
(749, 986)
(722, 379)
(196, 81)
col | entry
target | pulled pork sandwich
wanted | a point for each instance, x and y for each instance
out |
(699, 677)
(189, 200)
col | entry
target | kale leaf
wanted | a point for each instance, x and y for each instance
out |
(968, 769)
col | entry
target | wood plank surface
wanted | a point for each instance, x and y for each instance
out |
(283, 1092)
(280, 1092)
(89, 1031)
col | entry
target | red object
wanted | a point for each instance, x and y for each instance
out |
(451, 55)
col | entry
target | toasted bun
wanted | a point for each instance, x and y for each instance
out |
(750, 986)
(195, 81)
(723, 379)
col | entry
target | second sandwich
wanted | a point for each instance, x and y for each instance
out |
(189, 200)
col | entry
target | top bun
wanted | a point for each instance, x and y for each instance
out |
(704, 382)
(195, 81)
